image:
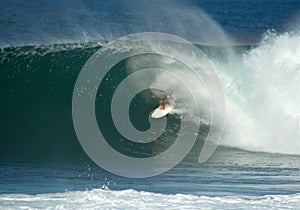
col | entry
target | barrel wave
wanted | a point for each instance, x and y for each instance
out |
(37, 85)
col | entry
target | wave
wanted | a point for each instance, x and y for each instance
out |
(36, 90)
(128, 199)
(263, 102)
(260, 84)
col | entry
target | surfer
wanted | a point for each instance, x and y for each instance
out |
(166, 105)
(163, 101)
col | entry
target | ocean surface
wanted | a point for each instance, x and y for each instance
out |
(253, 45)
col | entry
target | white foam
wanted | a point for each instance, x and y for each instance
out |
(131, 199)
(263, 97)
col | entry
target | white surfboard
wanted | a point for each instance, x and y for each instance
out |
(158, 112)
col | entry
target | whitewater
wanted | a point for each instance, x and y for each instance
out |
(262, 96)
(130, 199)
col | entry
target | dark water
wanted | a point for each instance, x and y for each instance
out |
(36, 93)
(44, 22)
(45, 44)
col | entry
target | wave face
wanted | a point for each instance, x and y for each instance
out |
(37, 84)
(260, 84)
(36, 94)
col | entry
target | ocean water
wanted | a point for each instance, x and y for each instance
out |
(254, 47)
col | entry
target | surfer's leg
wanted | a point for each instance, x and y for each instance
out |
(163, 103)
(162, 107)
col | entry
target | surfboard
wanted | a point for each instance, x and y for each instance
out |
(159, 113)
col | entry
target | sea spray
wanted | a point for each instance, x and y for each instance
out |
(263, 96)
